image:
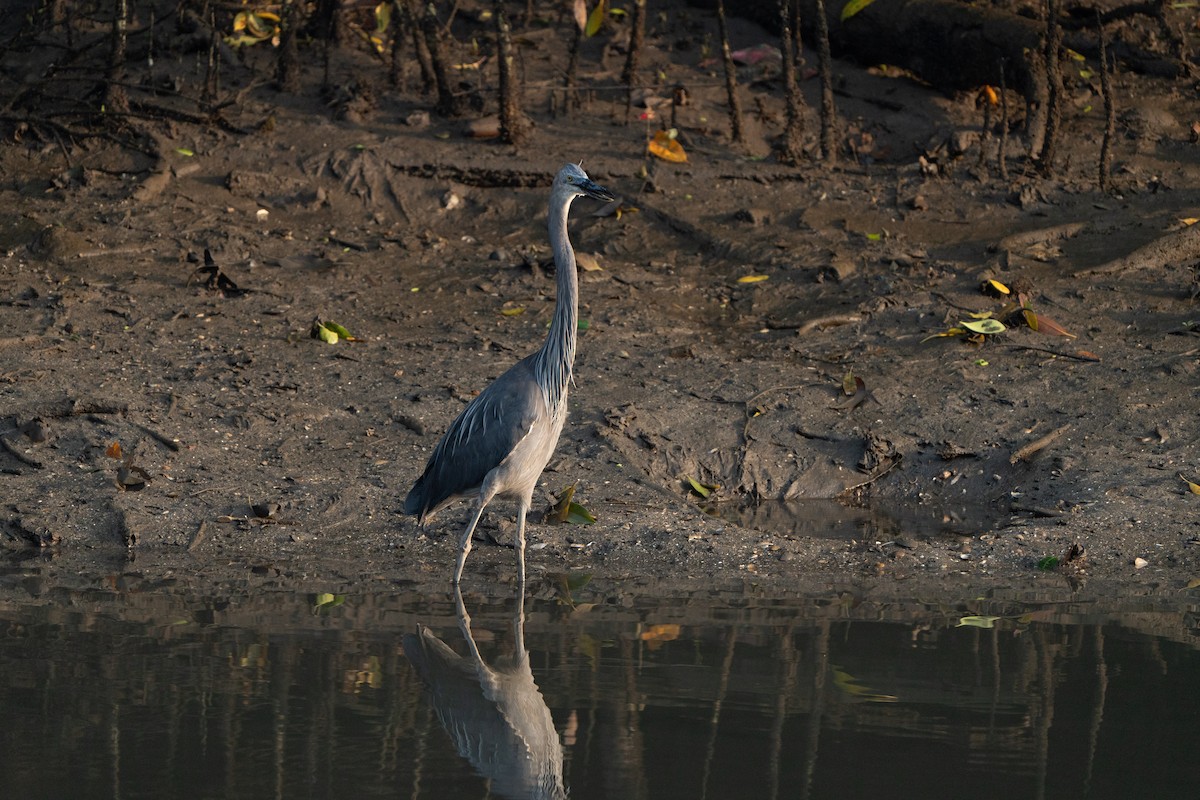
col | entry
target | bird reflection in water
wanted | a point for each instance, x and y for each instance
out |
(495, 715)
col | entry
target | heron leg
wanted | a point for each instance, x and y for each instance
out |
(522, 509)
(464, 546)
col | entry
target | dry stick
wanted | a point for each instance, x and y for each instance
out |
(514, 125)
(791, 146)
(735, 105)
(1038, 445)
(409, 17)
(114, 94)
(1054, 37)
(1110, 111)
(985, 135)
(287, 64)
(570, 96)
(447, 103)
(198, 537)
(825, 67)
(637, 37)
(1001, 163)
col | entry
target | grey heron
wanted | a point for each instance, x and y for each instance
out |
(503, 439)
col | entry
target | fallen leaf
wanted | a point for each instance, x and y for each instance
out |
(114, 450)
(1194, 488)
(700, 488)
(853, 7)
(513, 312)
(984, 326)
(753, 278)
(596, 19)
(665, 146)
(977, 622)
(661, 633)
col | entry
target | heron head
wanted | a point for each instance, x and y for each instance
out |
(572, 180)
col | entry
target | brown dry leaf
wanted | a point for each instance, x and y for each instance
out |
(1047, 325)
(113, 450)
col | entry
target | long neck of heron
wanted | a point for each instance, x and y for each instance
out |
(558, 353)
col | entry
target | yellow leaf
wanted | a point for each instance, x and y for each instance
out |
(753, 278)
(661, 633)
(664, 146)
(986, 326)
(993, 97)
(977, 622)
(943, 334)
(513, 312)
(596, 19)
(853, 7)
(1194, 488)
(997, 286)
(1189, 220)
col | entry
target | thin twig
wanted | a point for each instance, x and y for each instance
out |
(1038, 445)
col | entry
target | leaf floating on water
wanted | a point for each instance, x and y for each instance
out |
(665, 146)
(849, 684)
(325, 601)
(1048, 563)
(753, 278)
(853, 7)
(977, 622)
(661, 633)
(987, 327)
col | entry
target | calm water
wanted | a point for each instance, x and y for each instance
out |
(132, 690)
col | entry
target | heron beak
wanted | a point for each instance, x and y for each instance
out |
(595, 190)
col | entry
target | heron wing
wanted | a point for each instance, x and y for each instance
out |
(479, 439)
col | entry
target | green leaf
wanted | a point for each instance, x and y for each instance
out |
(339, 330)
(596, 19)
(324, 334)
(183, 151)
(1048, 563)
(853, 7)
(578, 515)
(699, 488)
(985, 326)
(977, 622)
